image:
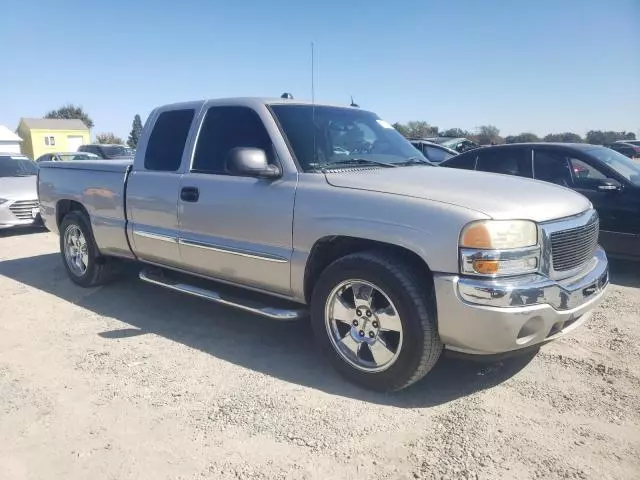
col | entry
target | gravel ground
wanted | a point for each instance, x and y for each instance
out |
(130, 381)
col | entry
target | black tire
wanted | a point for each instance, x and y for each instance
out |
(415, 303)
(99, 269)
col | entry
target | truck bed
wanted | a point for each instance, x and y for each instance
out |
(98, 185)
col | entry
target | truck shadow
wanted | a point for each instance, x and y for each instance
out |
(282, 350)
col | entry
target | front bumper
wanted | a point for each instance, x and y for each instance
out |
(19, 213)
(490, 316)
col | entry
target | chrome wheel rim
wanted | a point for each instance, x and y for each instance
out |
(75, 250)
(363, 325)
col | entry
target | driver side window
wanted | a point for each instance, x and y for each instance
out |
(584, 175)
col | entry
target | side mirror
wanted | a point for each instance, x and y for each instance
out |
(251, 162)
(609, 185)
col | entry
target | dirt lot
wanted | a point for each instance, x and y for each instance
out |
(130, 381)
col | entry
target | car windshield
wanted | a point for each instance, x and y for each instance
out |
(622, 165)
(335, 137)
(77, 156)
(113, 151)
(17, 167)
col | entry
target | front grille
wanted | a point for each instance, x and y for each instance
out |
(574, 247)
(22, 208)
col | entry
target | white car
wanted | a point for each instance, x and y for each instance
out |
(19, 204)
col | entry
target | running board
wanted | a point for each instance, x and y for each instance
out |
(248, 305)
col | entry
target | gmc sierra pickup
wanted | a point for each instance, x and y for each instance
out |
(284, 208)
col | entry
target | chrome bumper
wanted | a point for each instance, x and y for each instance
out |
(488, 316)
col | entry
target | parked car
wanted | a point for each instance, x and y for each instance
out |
(66, 157)
(458, 144)
(108, 151)
(629, 148)
(432, 151)
(249, 193)
(18, 195)
(609, 179)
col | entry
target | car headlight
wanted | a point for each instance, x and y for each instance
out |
(499, 247)
(3, 200)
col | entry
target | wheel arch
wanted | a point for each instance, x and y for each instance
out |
(65, 206)
(330, 248)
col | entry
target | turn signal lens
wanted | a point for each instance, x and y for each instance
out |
(486, 267)
(499, 234)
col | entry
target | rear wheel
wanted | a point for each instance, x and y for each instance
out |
(375, 318)
(80, 255)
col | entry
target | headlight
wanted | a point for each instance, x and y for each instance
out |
(499, 247)
(499, 234)
(3, 200)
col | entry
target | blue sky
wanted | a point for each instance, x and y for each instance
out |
(541, 66)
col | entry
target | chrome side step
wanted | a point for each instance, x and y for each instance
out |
(282, 314)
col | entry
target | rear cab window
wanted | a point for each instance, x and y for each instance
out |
(167, 140)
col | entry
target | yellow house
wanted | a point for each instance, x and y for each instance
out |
(48, 135)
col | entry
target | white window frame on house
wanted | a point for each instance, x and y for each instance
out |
(50, 140)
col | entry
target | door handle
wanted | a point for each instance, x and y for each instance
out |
(189, 194)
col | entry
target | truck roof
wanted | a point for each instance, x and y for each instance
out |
(251, 101)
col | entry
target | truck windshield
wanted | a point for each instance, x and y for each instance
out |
(328, 137)
(17, 167)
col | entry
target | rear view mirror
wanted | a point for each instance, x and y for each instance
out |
(251, 162)
(608, 185)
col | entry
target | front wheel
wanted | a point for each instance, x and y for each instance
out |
(80, 254)
(375, 318)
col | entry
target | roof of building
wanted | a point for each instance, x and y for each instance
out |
(54, 124)
(7, 135)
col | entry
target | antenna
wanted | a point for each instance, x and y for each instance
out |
(313, 101)
(313, 89)
(353, 104)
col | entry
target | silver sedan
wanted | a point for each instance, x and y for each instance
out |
(19, 204)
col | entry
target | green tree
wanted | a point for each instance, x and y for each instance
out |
(488, 135)
(598, 137)
(136, 131)
(70, 111)
(416, 129)
(456, 133)
(109, 138)
(522, 138)
(566, 137)
(401, 129)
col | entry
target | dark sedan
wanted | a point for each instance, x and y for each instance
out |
(609, 179)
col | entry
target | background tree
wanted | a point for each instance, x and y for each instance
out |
(136, 131)
(488, 135)
(416, 129)
(598, 137)
(566, 137)
(455, 132)
(522, 138)
(401, 129)
(70, 111)
(109, 138)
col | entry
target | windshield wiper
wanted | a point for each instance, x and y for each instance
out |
(416, 161)
(354, 161)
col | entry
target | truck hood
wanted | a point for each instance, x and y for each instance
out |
(497, 196)
(19, 188)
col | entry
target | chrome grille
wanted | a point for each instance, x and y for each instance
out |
(22, 208)
(574, 247)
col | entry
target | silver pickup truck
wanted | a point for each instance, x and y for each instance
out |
(285, 209)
